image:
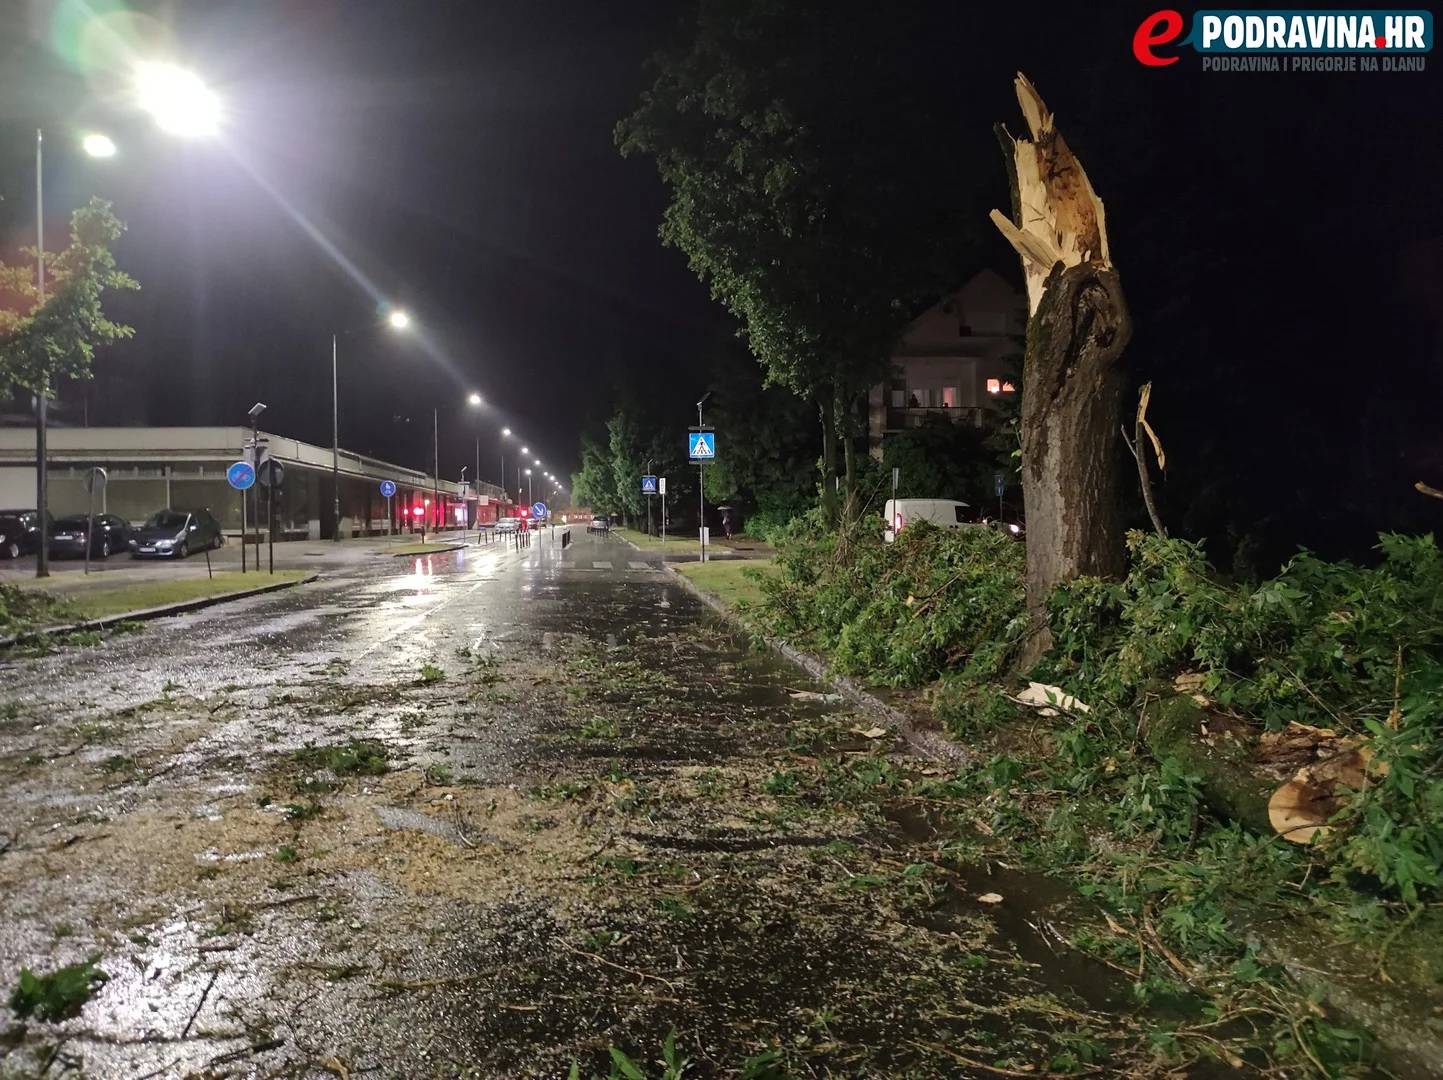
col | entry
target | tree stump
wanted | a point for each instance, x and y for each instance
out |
(1072, 384)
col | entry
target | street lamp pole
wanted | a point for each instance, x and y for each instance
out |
(335, 448)
(436, 464)
(42, 401)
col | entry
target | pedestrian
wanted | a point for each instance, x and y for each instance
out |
(727, 523)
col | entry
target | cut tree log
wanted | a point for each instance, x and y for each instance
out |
(1173, 727)
(1072, 385)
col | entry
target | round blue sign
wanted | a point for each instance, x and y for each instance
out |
(241, 475)
(388, 488)
(538, 510)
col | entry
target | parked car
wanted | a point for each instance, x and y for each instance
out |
(599, 525)
(19, 533)
(174, 534)
(944, 513)
(108, 535)
(507, 525)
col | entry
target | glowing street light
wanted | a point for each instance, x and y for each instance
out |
(177, 99)
(97, 145)
(474, 399)
(397, 320)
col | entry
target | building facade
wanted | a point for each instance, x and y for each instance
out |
(957, 360)
(155, 468)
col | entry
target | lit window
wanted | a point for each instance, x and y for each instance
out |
(1008, 388)
(949, 397)
(994, 386)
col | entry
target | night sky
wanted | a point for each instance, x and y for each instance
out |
(1280, 236)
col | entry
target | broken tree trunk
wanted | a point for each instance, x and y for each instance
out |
(1072, 385)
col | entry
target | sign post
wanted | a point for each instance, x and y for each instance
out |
(661, 490)
(272, 474)
(242, 476)
(701, 451)
(999, 485)
(648, 488)
(388, 488)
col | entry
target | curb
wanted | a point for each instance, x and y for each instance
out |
(929, 744)
(146, 614)
(422, 554)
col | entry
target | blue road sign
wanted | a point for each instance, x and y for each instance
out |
(998, 484)
(701, 446)
(241, 475)
(648, 485)
(538, 510)
(388, 488)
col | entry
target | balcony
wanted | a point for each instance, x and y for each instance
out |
(915, 415)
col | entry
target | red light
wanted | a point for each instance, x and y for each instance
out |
(524, 511)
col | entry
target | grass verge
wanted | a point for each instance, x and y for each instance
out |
(104, 600)
(650, 543)
(734, 582)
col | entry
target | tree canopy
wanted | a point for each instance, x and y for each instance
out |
(42, 343)
(779, 131)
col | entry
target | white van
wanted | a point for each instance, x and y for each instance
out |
(944, 513)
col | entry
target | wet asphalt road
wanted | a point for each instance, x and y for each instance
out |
(490, 813)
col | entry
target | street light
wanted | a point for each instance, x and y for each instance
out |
(179, 116)
(397, 320)
(530, 494)
(178, 100)
(474, 400)
(97, 145)
(505, 434)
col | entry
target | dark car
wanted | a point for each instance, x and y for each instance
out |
(174, 534)
(109, 533)
(19, 533)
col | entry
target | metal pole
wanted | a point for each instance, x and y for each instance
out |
(42, 401)
(436, 449)
(335, 448)
(701, 490)
(256, 452)
(270, 532)
(90, 522)
(243, 533)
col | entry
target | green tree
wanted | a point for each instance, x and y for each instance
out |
(594, 486)
(943, 460)
(815, 184)
(41, 344)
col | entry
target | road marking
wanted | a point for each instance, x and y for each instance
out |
(601, 566)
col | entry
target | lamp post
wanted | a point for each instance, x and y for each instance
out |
(505, 434)
(474, 400)
(530, 494)
(396, 320)
(96, 145)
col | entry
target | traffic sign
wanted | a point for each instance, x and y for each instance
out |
(998, 484)
(701, 446)
(648, 485)
(271, 474)
(388, 488)
(241, 475)
(661, 486)
(538, 510)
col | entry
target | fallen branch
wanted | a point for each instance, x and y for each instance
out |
(200, 1004)
(619, 967)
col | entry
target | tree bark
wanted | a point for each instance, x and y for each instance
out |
(849, 455)
(1071, 382)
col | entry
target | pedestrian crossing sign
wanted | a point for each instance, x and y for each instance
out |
(648, 485)
(701, 446)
